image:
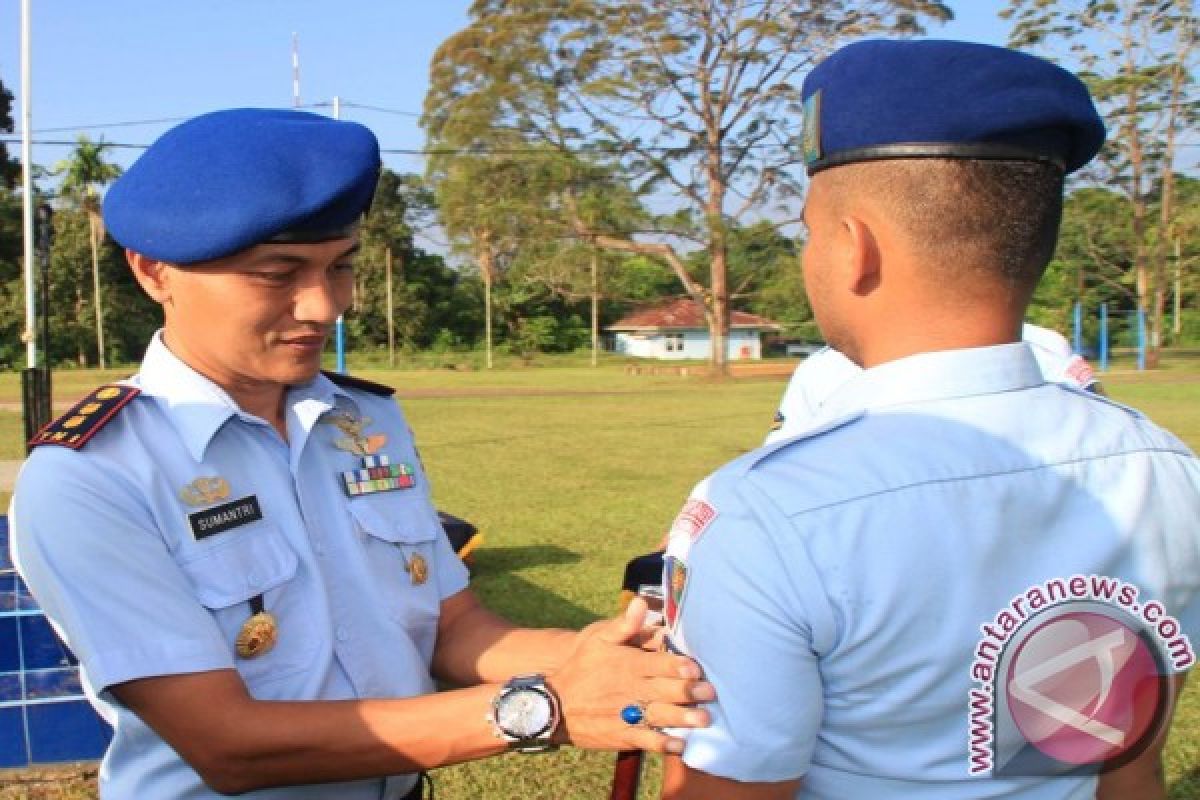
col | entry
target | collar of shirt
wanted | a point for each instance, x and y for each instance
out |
(938, 375)
(198, 407)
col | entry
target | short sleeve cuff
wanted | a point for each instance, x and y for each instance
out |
(107, 668)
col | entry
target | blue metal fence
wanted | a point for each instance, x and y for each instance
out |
(44, 716)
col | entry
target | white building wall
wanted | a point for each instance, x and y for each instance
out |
(743, 344)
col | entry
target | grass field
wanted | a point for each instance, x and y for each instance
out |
(570, 471)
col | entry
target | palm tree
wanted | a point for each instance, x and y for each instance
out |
(85, 174)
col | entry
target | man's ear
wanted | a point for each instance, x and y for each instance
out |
(863, 256)
(152, 275)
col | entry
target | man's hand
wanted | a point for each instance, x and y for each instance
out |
(606, 671)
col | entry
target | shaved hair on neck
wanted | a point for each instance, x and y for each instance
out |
(979, 224)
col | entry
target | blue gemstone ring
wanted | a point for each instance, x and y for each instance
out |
(634, 714)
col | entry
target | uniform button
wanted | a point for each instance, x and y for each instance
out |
(253, 579)
(341, 633)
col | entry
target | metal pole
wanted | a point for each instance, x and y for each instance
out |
(35, 381)
(1078, 328)
(340, 326)
(295, 70)
(1104, 337)
(1141, 338)
(391, 323)
(27, 169)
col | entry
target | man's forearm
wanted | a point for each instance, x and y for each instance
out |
(239, 744)
(479, 646)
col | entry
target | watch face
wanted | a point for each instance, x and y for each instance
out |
(523, 713)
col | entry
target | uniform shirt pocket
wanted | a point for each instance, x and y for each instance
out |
(398, 544)
(225, 575)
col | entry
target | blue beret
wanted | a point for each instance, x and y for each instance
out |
(930, 98)
(222, 182)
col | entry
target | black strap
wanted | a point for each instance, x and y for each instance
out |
(976, 151)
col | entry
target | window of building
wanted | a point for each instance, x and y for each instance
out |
(674, 342)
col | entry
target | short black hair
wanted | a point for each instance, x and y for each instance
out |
(971, 216)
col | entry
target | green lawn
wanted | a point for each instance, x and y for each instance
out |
(570, 471)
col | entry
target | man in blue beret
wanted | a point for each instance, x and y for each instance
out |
(242, 550)
(962, 580)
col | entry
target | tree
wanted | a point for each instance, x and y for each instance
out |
(10, 169)
(695, 98)
(1136, 57)
(1092, 261)
(766, 278)
(387, 259)
(85, 174)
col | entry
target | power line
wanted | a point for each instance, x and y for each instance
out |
(428, 151)
(99, 125)
(382, 110)
(136, 122)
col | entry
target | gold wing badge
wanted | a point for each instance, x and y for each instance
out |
(376, 472)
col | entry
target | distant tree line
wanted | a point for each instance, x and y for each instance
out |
(586, 158)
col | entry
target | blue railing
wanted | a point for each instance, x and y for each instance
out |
(44, 716)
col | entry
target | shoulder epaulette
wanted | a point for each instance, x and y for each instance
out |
(756, 457)
(351, 382)
(74, 428)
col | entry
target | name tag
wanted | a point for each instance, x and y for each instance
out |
(225, 516)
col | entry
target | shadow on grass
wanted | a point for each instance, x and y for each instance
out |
(1187, 787)
(521, 600)
(494, 560)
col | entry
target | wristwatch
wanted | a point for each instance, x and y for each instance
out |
(525, 712)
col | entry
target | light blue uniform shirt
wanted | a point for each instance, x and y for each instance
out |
(818, 376)
(103, 539)
(836, 582)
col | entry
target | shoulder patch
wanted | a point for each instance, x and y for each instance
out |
(351, 382)
(74, 428)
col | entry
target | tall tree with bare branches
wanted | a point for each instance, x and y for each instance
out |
(694, 102)
(1137, 58)
(84, 176)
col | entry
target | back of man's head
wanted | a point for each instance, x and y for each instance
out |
(983, 224)
(963, 147)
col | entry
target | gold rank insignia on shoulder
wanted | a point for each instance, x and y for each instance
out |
(76, 427)
(257, 636)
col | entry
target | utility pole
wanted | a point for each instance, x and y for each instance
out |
(595, 305)
(295, 70)
(35, 380)
(391, 324)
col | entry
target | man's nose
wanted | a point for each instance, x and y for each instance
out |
(320, 301)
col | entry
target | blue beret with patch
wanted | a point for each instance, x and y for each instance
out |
(884, 99)
(222, 182)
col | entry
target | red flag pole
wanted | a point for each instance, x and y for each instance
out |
(627, 775)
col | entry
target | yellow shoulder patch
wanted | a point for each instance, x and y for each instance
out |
(74, 428)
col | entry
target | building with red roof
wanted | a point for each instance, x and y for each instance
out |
(676, 330)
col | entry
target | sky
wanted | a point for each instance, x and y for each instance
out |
(127, 70)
